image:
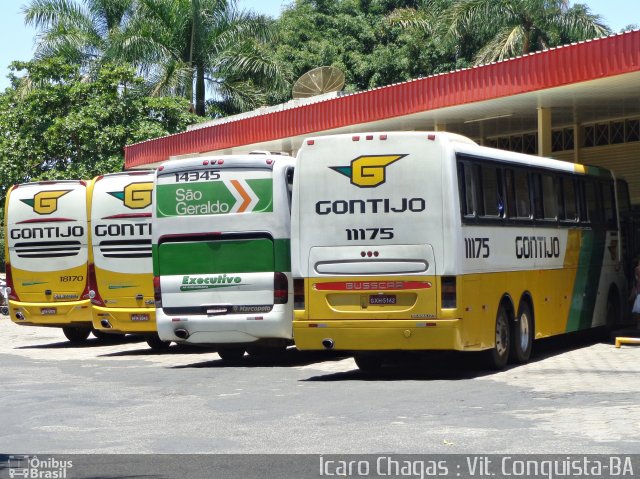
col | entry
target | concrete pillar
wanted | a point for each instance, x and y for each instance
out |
(544, 131)
(577, 140)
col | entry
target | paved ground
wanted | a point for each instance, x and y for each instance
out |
(577, 396)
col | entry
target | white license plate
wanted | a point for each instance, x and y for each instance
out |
(139, 317)
(383, 299)
(48, 311)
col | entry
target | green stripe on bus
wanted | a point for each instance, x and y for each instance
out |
(225, 256)
(263, 188)
(585, 290)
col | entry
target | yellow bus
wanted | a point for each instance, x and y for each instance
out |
(427, 241)
(120, 267)
(46, 251)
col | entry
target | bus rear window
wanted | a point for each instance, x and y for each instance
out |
(213, 256)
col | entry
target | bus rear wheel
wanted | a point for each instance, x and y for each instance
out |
(522, 337)
(368, 362)
(499, 354)
(231, 354)
(76, 335)
(155, 343)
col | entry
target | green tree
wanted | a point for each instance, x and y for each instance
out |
(83, 33)
(69, 127)
(517, 27)
(358, 37)
(183, 46)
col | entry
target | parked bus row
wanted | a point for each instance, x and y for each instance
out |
(367, 243)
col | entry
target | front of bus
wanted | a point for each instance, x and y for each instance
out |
(367, 234)
(120, 267)
(46, 254)
(221, 251)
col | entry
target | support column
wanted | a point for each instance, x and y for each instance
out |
(577, 140)
(439, 126)
(544, 131)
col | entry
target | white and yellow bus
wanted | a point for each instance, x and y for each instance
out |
(120, 267)
(221, 255)
(46, 255)
(427, 241)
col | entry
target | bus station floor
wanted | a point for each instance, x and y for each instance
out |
(575, 396)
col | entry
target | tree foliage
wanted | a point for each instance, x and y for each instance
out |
(185, 46)
(69, 127)
(359, 37)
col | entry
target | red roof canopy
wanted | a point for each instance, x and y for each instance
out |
(575, 63)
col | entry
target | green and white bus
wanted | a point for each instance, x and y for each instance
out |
(428, 241)
(221, 255)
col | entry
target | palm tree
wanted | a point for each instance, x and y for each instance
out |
(179, 44)
(80, 33)
(517, 27)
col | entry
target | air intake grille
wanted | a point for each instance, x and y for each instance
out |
(48, 249)
(126, 248)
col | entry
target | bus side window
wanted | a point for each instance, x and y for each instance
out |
(523, 199)
(549, 197)
(467, 189)
(592, 202)
(536, 182)
(289, 180)
(510, 193)
(492, 204)
(568, 197)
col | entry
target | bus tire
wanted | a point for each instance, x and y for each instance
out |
(231, 354)
(155, 343)
(76, 335)
(368, 362)
(522, 334)
(498, 356)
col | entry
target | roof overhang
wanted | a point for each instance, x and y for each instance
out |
(581, 83)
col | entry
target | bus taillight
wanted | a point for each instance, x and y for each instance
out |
(157, 292)
(92, 287)
(280, 288)
(448, 288)
(11, 291)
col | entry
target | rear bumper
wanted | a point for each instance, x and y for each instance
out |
(120, 320)
(66, 313)
(380, 335)
(227, 329)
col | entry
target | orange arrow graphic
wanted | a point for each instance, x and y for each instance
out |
(247, 199)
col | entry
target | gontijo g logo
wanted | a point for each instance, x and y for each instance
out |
(368, 171)
(45, 202)
(135, 196)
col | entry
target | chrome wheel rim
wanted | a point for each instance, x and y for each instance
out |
(502, 336)
(524, 331)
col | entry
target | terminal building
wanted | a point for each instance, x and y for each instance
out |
(578, 102)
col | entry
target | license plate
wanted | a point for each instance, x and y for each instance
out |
(139, 317)
(382, 299)
(48, 311)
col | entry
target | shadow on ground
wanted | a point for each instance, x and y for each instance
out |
(89, 343)
(453, 365)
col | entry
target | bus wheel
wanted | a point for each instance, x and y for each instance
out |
(499, 355)
(231, 354)
(368, 362)
(522, 336)
(155, 343)
(76, 335)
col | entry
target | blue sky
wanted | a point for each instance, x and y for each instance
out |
(17, 40)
